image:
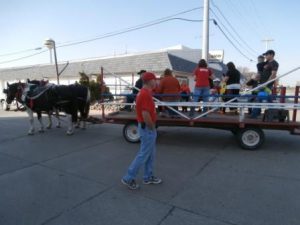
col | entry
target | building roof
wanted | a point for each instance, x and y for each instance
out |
(180, 60)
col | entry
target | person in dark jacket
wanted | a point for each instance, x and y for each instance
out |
(232, 80)
(131, 97)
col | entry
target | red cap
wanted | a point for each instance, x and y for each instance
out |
(148, 76)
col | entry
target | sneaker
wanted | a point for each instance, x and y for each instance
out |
(132, 185)
(153, 180)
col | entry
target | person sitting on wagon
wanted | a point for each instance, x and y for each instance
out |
(130, 98)
(215, 91)
(169, 88)
(185, 94)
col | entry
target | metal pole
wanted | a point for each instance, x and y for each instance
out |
(102, 93)
(296, 100)
(55, 60)
(267, 41)
(51, 60)
(205, 30)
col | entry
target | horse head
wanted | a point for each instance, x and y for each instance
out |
(13, 91)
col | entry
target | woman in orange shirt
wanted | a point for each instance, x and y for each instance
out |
(170, 87)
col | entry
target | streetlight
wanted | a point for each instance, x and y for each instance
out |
(50, 44)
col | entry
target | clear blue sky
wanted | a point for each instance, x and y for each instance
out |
(25, 24)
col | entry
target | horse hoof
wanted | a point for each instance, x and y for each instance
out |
(77, 126)
(58, 126)
(69, 133)
(30, 133)
(48, 127)
(41, 131)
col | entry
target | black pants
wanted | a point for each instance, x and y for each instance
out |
(232, 93)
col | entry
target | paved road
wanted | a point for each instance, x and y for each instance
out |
(55, 179)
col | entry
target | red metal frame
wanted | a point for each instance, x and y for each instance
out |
(282, 94)
(296, 100)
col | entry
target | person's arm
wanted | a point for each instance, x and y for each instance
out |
(148, 120)
(275, 66)
(211, 74)
(273, 75)
(225, 79)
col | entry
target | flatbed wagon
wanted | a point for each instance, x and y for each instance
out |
(249, 132)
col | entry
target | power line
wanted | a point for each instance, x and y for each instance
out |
(215, 22)
(24, 57)
(134, 28)
(241, 17)
(233, 29)
(127, 31)
(19, 52)
(238, 42)
(115, 33)
(259, 18)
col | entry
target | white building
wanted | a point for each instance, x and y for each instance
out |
(181, 60)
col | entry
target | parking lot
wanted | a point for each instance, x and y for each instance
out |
(55, 179)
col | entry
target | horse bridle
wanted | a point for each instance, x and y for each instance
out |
(19, 92)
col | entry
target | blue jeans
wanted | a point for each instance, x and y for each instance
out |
(200, 92)
(145, 156)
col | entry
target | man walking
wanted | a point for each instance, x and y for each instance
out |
(146, 117)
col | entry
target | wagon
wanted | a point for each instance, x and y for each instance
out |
(249, 132)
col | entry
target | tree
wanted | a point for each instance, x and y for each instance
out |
(95, 87)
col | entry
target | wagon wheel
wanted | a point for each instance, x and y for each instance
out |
(130, 132)
(250, 138)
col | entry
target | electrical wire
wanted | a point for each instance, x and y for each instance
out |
(232, 36)
(127, 31)
(231, 42)
(20, 52)
(24, 57)
(241, 17)
(136, 26)
(234, 30)
(114, 33)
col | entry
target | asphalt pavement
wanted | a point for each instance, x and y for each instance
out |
(54, 179)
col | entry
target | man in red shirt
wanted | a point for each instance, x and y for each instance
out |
(146, 117)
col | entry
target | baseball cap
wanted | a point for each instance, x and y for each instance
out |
(141, 71)
(148, 76)
(269, 52)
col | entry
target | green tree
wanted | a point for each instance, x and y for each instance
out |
(95, 87)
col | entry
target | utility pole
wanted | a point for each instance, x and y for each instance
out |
(267, 41)
(205, 30)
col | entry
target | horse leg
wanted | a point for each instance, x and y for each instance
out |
(70, 130)
(83, 118)
(57, 118)
(77, 122)
(49, 121)
(30, 114)
(41, 130)
(7, 108)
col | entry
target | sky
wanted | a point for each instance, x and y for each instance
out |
(26, 24)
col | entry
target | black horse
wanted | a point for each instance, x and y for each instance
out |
(15, 91)
(71, 99)
(49, 97)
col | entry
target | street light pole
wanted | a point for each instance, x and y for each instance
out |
(50, 44)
